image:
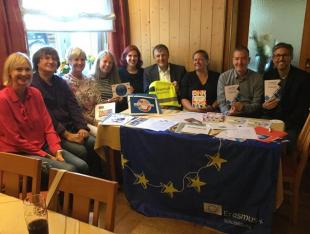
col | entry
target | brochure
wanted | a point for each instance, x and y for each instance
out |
(272, 89)
(199, 98)
(103, 110)
(143, 104)
(121, 90)
(231, 93)
(192, 128)
(116, 119)
(267, 135)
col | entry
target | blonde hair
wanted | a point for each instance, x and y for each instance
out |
(12, 62)
(113, 74)
(75, 52)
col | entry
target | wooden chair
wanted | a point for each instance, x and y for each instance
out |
(15, 170)
(75, 192)
(293, 169)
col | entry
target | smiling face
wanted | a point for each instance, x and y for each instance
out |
(132, 58)
(240, 61)
(106, 64)
(282, 58)
(161, 57)
(200, 62)
(77, 64)
(47, 64)
(20, 76)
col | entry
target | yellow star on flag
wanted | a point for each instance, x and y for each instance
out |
(168, 188)
(195, 183)
(141, 179)
(216, 161)
(123, 161)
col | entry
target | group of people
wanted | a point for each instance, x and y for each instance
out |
(51, 117)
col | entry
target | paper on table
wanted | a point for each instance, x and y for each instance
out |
(103, 110)
(156, 124)
(242, 132)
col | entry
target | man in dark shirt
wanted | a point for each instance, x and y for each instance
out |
(291, 103)
(66, 114)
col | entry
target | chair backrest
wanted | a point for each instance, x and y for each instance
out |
(75, 192)
(15, 170)
(303, 148)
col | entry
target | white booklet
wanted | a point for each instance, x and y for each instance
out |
(271, 88)
(103, 110)
(231, 93)
(116, 119)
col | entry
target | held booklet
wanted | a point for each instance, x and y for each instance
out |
(121, 90)
(103, 110)
(143, 104)
(231, 93)
(199, 99)
(271, 89)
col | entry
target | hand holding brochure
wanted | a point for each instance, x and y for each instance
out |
(271, 89)
(231, 93)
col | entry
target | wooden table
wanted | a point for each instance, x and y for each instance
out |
(12, 220)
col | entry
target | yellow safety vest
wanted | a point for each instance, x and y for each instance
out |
(165, 92)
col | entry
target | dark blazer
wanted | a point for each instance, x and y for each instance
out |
(151, 74)
(295, 98)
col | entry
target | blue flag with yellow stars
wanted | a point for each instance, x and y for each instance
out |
(223, 184)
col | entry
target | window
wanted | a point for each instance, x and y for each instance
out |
(64, 24)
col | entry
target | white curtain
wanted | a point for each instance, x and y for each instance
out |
(68, 15)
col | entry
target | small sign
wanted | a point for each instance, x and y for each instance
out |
(121, 90)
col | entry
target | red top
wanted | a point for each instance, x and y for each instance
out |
(25, 127)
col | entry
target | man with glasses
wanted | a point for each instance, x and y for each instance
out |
(292, 100)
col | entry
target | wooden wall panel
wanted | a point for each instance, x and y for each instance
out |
(183, 25)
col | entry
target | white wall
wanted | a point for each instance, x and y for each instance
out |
(283, 20)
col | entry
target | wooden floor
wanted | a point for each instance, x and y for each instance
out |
(130, 222)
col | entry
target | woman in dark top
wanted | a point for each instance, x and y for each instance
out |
(198, 88)
(130, 70)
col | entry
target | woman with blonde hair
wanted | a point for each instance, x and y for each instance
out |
(25, 124)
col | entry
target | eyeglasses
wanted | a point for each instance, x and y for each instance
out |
(277, 56)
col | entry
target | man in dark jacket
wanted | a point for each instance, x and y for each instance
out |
(163, 70)
(291, 104)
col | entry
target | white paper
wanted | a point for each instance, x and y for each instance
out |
(242, 133)
(116, 119)
(156, 124)
(231, 93)
(103, 110)
(271, 88)
(195, 129)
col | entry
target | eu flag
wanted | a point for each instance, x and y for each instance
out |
(223, 184)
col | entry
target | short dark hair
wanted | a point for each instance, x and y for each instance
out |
(242, 48)
(283, 45)
(203, 52)
(123, 61)
(160, 47)
(44, 51)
